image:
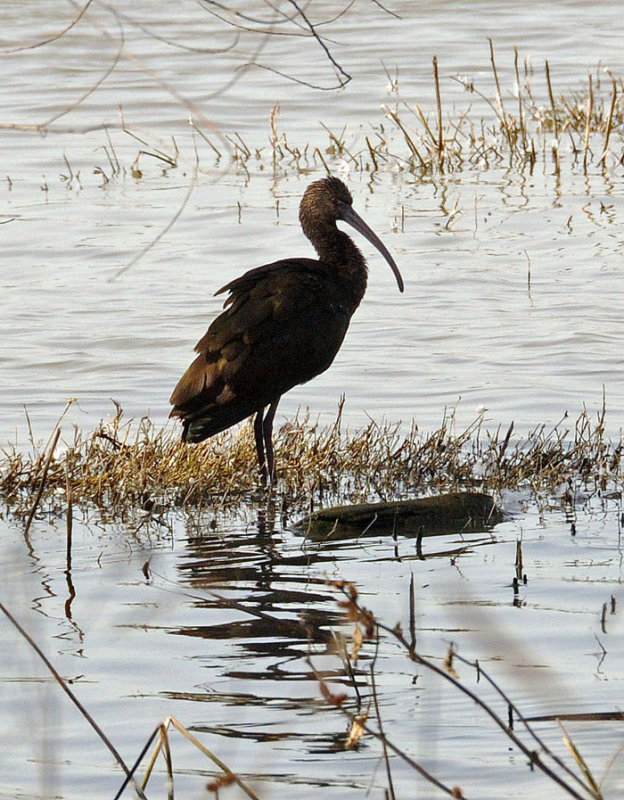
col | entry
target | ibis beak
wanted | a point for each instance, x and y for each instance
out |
(352, 218)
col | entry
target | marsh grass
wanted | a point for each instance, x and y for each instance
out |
(515, 125)
(517, 118)
(126, 468)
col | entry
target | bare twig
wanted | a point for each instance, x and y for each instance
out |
(56, 36)
(42, 482)
(64, 686)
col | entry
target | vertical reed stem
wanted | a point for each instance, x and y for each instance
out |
(520, 108)
(590, 111)
(70, 518)
(436, 81)
(609, 123)
(555, 149)
(499, 96)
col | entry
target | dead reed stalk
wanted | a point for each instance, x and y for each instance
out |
(127, 469)
(540, 756)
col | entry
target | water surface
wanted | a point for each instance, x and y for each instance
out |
(512, 303)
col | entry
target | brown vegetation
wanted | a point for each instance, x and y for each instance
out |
(124, 467)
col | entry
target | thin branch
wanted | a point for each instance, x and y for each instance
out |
(63, 684)
(95, 86)
(312, 29)
(42, 483)
(159, 236)
(53, 38)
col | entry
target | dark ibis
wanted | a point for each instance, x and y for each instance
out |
(282, 325)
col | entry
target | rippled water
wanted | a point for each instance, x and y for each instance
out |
(139, 648)
(469, 325)
(513, 302)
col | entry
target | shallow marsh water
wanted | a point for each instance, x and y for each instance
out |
(138, 649)
(513, 302)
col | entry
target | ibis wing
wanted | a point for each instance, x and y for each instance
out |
(281, 325)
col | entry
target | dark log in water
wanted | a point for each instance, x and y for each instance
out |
(446, 513)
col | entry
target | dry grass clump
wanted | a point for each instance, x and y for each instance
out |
(514, 121)
(515, 126)
(586, 125)
(124, 467)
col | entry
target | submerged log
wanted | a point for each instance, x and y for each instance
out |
(445, 513)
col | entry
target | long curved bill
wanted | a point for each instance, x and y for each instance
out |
(352, 218)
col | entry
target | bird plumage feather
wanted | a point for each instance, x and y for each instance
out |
(282, 324)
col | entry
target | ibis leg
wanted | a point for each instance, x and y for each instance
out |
(258, 436)
(267, 435)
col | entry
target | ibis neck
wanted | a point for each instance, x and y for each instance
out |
(339, 255)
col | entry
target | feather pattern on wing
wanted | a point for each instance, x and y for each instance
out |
(282, 324)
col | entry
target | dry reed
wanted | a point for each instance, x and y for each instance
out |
(515, 127)
(581, 128)
(369, 632)
(125, 468)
